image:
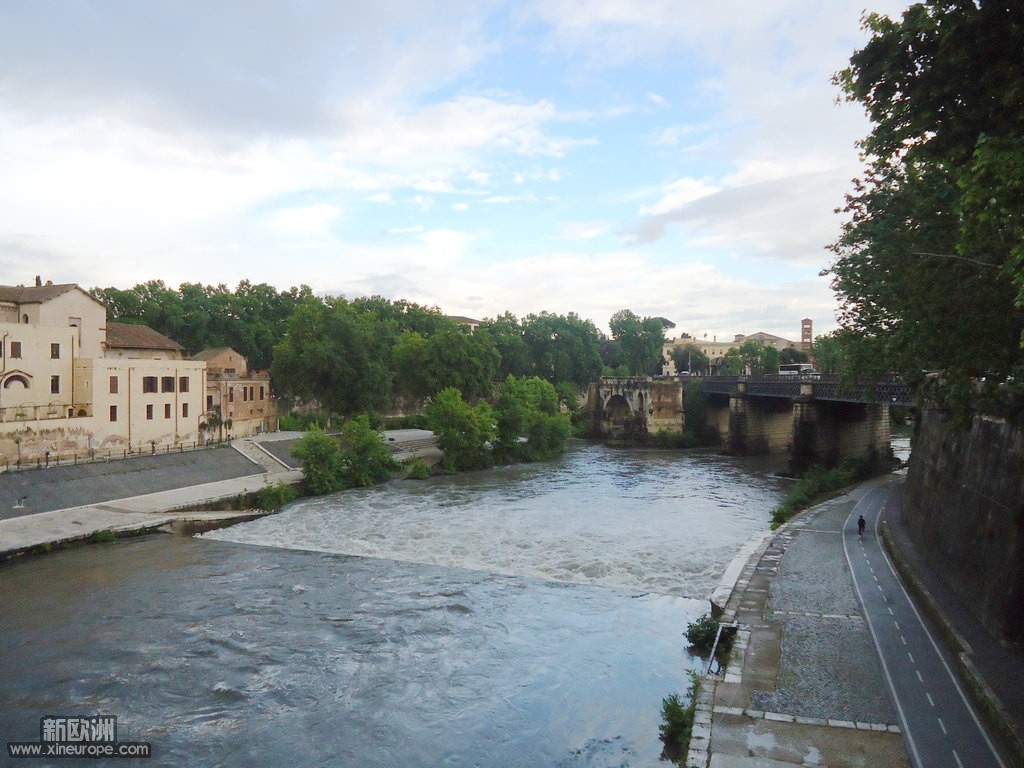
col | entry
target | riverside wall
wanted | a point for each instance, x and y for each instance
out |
(964, 509)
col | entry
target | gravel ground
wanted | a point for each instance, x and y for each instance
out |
(830, 668)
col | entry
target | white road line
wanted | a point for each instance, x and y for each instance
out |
(919, 678)
(911, 657)
(957, 758)
(903, 639)
(941, 657)
(930, 699)
(942, 725)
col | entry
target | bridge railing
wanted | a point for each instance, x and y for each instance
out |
(825, 387)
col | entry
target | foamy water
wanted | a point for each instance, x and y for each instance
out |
(640, 520)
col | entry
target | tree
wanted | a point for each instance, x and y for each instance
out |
(689, 358)
(829, 354)
(463, 431)
(506, 333)
(365, 459)
(732, 362)
(320, 455)
(932, 246)
(793, 355)
(336, 355)
(641, 341)
(529, 408)
(758, 359)
(452, 357)
(563, 348)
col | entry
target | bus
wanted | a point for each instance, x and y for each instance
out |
(796, 369)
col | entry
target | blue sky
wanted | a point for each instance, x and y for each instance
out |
(676, 159)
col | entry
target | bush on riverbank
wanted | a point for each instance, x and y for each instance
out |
(677, 722)
(359, 459)
(817, 485)
(417, 469)
(273, 497)
(701, 634)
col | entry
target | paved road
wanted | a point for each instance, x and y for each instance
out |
(939, 725)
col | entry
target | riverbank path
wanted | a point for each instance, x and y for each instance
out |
(940, 726)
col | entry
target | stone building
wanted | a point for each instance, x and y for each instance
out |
(239, 402)
(73, 384)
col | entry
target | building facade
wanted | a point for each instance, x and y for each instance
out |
(238, 402)
(73, 384)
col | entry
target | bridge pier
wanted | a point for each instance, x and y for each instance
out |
(775, 416)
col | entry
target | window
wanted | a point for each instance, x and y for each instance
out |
(167, 410)
(209, 402)
(113, 385)
(183, 383)
(167, 384)
(55, 385)
(15, 349)
(252, 393)
(55, 351)
(113, 413)
(245, 394)
(149, 412)
(149, 383)
(184, 410)
(231, 394)
(261, 391)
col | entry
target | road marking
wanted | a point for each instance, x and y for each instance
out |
(897, 624)
(919, 678)
(930, 699)
(957, 758)
(890, 611)
(903, 639)
(942, 725)
(911, 657)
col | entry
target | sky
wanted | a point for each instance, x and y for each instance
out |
(678, 159)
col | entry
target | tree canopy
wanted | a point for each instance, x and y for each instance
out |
(640, 341)
(929, 267)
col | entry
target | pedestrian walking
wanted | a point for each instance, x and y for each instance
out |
(861, 524)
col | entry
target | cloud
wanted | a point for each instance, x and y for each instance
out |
(581, 230)
(778, 218)
(233, 67)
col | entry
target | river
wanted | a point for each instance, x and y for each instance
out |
(530, 615)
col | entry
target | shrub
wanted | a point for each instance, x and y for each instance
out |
(273, 497)
(417, 469)
(365, 459)
(677, 722)
(818, 484)
(701, 636)
(320, 455)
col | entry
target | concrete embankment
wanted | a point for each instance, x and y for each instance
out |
(57, 506)
(51, 507)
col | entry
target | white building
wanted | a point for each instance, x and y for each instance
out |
(71, 383)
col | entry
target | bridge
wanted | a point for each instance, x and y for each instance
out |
(816, 419)
(890, 390)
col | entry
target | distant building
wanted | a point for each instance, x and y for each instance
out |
(71, 383)
(469, 322)
(715, 350)
(806, 334)
(238, 401)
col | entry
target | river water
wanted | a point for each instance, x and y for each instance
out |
(523, 616)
